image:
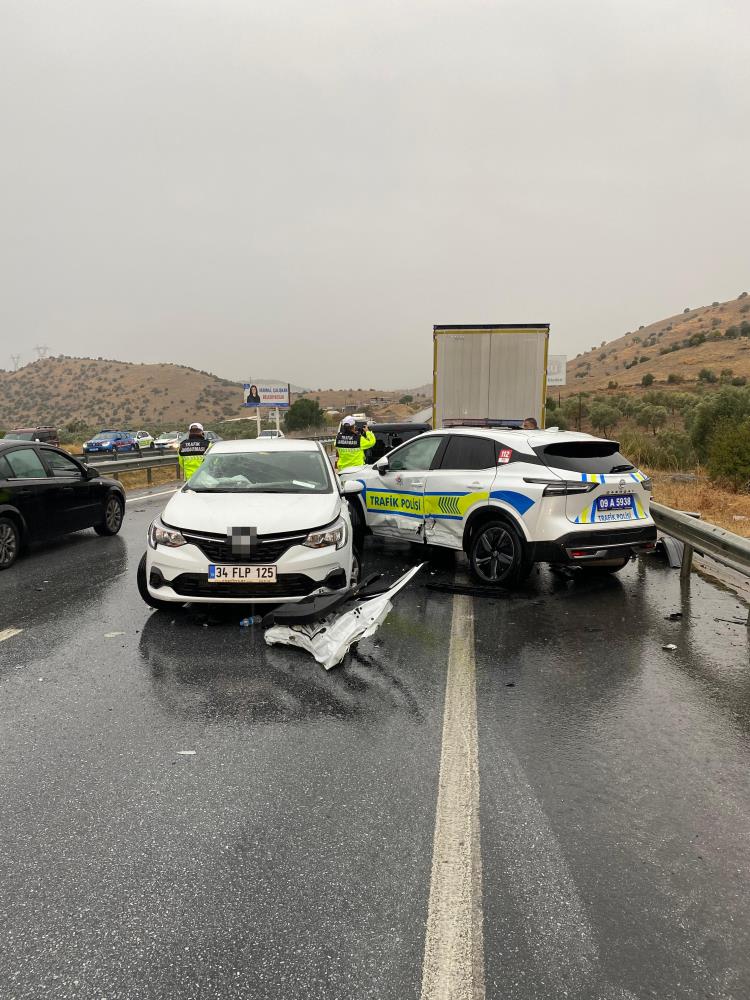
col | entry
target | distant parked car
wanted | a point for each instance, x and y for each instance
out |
(213, 437)
(47, 493)
(143, 439)
(390, 436)
(110, 443)
(169, 440)
(271, 434)
(46, 435)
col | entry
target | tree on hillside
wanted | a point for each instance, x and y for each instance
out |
(652, 417)
(647, 380)
(406, 399)
(304, 413)
(604, 417)
(729, 454)
(728, 405)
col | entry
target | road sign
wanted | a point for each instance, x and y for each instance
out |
(266, 394)
(556, 369)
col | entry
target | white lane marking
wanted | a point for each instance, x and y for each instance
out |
(453, 965)
(8, 633)
(150, 496)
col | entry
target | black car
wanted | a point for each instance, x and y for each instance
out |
(390, 436)
(45, 493)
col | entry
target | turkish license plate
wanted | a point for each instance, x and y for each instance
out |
(615, 507)
(241, 574)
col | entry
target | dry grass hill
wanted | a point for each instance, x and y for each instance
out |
(118, 394)
(113, 394)
(715, 337)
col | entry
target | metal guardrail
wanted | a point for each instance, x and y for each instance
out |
(116, 466)
(706, 539)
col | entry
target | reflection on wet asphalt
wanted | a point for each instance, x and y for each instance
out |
(289, 854)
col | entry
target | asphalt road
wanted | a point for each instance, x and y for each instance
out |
(187, 813)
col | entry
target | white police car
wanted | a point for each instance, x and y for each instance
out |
(259, 522)
(510, 498)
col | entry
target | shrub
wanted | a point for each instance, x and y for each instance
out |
(742, 295)
(406, 399)
(732, 332)
(729, 454)
(707, 376)
(686, 309)
(696, 339)
(745, 328)
(611, 384)
(647, 380)
(729, 404)
(674, 379)
(739, 380)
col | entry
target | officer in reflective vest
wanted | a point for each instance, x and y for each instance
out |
(351, 444)
(192, 450)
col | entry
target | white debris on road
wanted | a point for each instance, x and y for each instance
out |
(329, 639)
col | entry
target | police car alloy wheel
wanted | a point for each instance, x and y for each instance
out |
(497, 554)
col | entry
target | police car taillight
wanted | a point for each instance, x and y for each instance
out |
(561, 487)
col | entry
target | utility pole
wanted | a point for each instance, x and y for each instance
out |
(579, 411)
(41, 351)
(16, 359)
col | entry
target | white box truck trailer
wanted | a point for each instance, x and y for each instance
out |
(489, 375)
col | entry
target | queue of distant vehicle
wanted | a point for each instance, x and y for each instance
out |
(109, 442)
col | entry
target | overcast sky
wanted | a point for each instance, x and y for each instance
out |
(300, 189)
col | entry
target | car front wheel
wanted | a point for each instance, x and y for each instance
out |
(114, 511)
(10, 542)
(497, 555)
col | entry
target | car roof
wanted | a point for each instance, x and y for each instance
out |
(266, 444)
(509, 435)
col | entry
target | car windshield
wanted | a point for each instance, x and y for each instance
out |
(600, 457)
(20, 435)
(105, 436)
(171, 436)
(262, 472)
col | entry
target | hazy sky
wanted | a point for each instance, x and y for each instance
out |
(301, 189)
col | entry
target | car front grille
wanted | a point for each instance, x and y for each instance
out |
(287, 585)
(269, 548)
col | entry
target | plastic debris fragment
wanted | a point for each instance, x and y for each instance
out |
(329, 639)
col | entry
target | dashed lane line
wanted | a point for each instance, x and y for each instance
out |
(453, 965)
(8, 633)
(150, 496)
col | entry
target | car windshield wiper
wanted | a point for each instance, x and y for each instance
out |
(621, 468)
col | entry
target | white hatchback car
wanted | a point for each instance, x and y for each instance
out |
(259, 522)
(510, 498)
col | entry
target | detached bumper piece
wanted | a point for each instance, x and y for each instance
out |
(329, 639)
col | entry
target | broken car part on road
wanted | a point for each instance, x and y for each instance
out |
(329, 639)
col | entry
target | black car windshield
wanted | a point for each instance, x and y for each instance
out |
(598, 457)
(262, 472)
(20, 435)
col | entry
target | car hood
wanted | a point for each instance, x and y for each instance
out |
(269, 513)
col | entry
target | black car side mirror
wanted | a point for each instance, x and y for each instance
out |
(91, 473)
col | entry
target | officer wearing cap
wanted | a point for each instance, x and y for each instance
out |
(352, 443)
(192, 450)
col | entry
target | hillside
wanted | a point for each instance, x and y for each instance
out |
(114, 393)
(715, 337)
(105, 393)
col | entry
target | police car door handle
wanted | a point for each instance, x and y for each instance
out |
(417, 482)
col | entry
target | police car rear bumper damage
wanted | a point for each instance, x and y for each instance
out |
(581, 546)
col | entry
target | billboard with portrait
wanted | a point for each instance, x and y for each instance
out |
(266, 394)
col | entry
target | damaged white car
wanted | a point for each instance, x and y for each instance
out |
(261, 522)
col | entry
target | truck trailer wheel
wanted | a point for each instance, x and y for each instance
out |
(498, 556)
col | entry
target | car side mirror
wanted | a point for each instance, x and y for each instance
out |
(382, 465)
(91, 473)
(351, 486)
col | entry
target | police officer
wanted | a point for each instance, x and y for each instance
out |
(351, 444)
(192, 450)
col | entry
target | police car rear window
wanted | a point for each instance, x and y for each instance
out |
(600, 457)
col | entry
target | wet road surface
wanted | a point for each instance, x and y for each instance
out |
(188, 813)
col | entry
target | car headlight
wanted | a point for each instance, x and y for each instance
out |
(333, 535)
(160, 534)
